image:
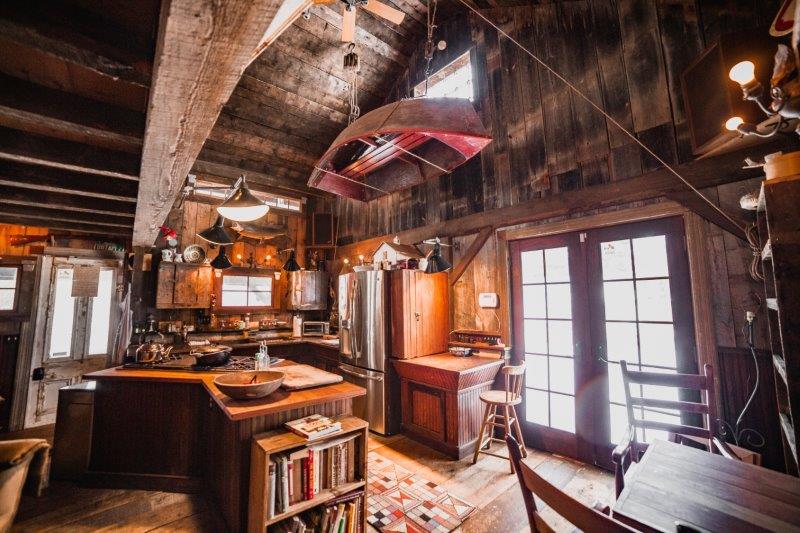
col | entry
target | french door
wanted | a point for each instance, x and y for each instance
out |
(584, 301)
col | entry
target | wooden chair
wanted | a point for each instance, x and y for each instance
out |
(630, 449)
(583, 517)
(500, 404)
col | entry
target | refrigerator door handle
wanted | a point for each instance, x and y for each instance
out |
(362, 376)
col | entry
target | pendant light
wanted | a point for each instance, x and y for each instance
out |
(221, 262)
(242, 205)
(219, 234)
(437, 263)
(291, 264)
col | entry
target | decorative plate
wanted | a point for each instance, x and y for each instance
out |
(194, 253)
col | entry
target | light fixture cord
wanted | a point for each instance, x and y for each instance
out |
(603, 112)
(429, 48)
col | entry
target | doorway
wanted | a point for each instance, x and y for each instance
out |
(583, 301)
(77, 316)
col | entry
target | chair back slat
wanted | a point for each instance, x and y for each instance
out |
(681, 429)
(686, 407)
(684, 381)
(531, 483)
(513, 376)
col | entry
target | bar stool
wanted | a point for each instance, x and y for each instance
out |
(500, 405)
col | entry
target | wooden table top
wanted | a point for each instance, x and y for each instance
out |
(678, 483)
(451, 363)
(280, 400)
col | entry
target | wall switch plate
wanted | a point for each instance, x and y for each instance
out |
(488, 300)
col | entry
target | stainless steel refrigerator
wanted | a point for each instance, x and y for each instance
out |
(364, 348)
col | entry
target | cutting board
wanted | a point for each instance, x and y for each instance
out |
(304, 376)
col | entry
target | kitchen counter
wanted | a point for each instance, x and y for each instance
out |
(175, 431)
(440, 399)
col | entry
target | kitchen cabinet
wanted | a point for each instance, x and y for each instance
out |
(183, 286)
(420, 313)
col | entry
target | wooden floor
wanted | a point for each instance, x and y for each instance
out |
(488, 485)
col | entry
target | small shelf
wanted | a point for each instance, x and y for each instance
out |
(780, 367)
(788, 433)
(766, 253)
(319, 499)
(772, 303)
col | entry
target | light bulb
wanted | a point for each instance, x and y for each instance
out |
(346, 261)
(743, 72)
(733, 123)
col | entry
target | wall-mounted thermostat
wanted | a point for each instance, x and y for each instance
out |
(488, 300)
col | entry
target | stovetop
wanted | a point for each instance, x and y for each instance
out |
(187, 363)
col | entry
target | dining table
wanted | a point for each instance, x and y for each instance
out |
(674, 485)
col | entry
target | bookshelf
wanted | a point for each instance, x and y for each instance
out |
(265, 445)
(779, 233)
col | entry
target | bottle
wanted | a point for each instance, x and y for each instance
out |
(297, 325)
(262, 358)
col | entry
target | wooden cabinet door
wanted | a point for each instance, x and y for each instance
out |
(165, 287)
(185, 294)
(204, 287)
(431, 313)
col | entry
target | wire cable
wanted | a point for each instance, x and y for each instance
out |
(602, 112)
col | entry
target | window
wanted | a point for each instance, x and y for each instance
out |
(63, 315)
(272, 200)
(8, 287)
(246, 291)
(101, 314)
(452, 81)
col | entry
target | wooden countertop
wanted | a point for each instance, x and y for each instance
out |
(448, 372)
(451, 363)
(278, 401)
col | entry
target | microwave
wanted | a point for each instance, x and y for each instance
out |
(316, 329)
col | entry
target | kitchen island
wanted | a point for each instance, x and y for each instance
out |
(175, 431)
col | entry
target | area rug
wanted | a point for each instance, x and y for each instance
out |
(399, 501)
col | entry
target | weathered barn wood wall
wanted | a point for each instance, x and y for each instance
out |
(627, 55)
(7, 230)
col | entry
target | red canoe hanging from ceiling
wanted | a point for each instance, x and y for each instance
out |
(400, 145)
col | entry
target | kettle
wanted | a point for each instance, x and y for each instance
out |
(152, 352)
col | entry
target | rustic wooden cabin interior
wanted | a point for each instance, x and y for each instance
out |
(349, 266)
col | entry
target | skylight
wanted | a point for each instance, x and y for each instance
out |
(452, 81)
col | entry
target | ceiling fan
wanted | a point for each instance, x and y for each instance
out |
(373, 6)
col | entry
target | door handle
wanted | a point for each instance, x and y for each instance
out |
(356, 374)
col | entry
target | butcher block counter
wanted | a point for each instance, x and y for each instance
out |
(175, 431)
(440, 397)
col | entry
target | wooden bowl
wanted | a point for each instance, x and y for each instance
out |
(238, 386)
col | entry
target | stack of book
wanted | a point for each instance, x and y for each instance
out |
(314, 427)
(300, 475)
(342, 515)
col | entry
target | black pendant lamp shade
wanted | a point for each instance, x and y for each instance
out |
(242, 206)
(437, 263)
(291, 264)
(219, 234)
(221, 262)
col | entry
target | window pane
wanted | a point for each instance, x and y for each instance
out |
(234, 299)
(533, 301)
(536, 407)
(560, 337)
(258, 283)
(619, 301)
(650, 257)
(616, 387)
(562, 412)
(653, 300)
(557, 263)
(6, 299)
(562, 375)
(259, 299)
(8, 277)
(536, 371)
(559, 301)
(657, 344)
(619, 423)
(535, 336)
(63, 315)
(234, 283)
(621, 341)
(101, 314)
(532, 267)
(616, 258)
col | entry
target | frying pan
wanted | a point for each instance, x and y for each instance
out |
(214, 355)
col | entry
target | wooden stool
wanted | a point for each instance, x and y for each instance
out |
(505, 400)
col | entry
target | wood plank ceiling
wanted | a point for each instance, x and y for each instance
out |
(74, 83)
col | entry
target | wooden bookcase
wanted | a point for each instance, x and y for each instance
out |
(281, 440)
(778, 219)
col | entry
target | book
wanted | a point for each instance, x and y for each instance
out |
(314, 427)
(271, 503)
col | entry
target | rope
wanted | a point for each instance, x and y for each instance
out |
(602, 112)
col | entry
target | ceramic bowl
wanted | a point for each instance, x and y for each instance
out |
(240, 385)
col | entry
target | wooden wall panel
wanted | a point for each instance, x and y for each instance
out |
(7, 230)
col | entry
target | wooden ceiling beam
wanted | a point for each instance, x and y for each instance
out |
(202, 50)
(44, 111)
(77, 227)
(66, 215)
(299, 104)
(297, 146)
(696, 204)
(25, 176)
(34, 149)
(55, 200)
(267, 181)
(701, 173)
